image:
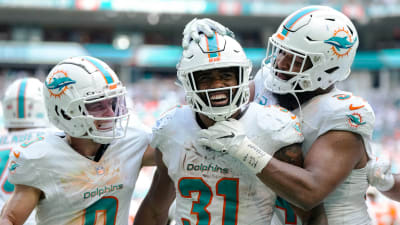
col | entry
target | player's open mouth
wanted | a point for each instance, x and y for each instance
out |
(283, 76)
(104, 125)
(219, 98)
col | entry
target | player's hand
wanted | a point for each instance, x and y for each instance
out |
(223, 136)
(207, 26)
(380, 175)
(229, 137)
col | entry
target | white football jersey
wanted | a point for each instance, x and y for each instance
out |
(340, 110)
(7, 142)
(214, 188)
(77, 190)
(336, 110)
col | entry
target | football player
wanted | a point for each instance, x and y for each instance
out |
(87, 174)
(311, 50)
(217, 187)
(25, 119)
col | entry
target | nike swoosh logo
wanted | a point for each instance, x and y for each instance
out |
(16, 154)
(351, 107)
(227, 136)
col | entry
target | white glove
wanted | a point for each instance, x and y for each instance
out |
(207, 26)
(229, 137)
(380, 175)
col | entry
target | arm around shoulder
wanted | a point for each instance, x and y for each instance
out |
(20, 205)
(154, 208)
(329, 161)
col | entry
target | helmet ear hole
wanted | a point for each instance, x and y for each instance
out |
(65, 116)
(80, 110)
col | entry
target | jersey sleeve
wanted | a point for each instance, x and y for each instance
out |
(170, 134)
(24, 166)
(280, 128)
(346, 113)
(159, 130)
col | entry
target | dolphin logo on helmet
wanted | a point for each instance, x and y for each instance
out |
(340, 42)
(59, 83)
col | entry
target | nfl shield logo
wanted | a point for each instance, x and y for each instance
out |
(100, 170)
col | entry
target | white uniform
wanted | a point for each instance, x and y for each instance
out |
(7, 142)
(78, 190)
(214, 188)
(339, 110)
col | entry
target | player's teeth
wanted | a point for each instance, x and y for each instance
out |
(218, 97)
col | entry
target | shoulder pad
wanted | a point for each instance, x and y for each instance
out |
(278, 126)
(166, 117)
(280, 114)
(347, 112)
(24, 160)
(165, 122)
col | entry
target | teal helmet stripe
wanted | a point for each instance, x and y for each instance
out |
(212, 43)
(21, 98)
(295, 18)
(106, 74)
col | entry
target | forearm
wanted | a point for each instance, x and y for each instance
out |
(5, 221)
(9, 217)
(149, 215)
(20, 205)
(5, 217)
(154, 208)
(328, 162)
(394, 192)
(296, 185)
(317, 216)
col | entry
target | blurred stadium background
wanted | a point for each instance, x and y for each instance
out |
(141, 41)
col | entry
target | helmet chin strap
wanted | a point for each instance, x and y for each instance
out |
(298, 103)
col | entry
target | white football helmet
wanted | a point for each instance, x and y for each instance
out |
(85, 98)
(318, 35)
(212, 53)
(23, 104)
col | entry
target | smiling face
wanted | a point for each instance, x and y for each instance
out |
(217, 79)
(103, 109)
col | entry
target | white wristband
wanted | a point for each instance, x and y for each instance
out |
(252, 156)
